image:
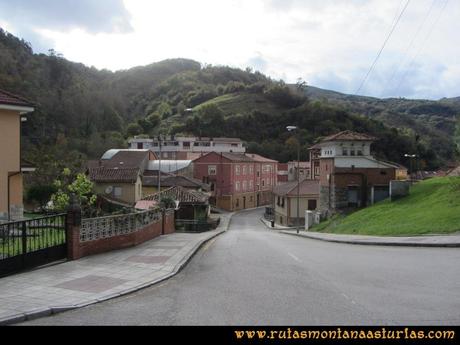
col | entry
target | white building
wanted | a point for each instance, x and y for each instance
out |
(184, 148)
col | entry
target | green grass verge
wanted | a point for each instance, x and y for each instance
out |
(433, 207)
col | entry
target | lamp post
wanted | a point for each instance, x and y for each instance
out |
(159, 164)
(291, 129)
(410, 162)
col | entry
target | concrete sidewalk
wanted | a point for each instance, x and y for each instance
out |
(412, 241)
(97, 278)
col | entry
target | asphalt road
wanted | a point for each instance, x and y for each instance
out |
(251, 275)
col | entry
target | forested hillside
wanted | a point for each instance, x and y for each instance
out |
(83, 111)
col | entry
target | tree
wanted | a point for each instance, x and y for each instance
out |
(134, 129)
(457, 134)
(40, 194)
(82, 187)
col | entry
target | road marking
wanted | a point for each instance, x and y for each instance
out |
(294, 257)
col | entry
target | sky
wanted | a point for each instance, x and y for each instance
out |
(330, 44)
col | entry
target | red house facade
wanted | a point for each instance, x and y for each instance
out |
(238, 181)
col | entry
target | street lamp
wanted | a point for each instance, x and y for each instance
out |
(410, 162)
(291, 129)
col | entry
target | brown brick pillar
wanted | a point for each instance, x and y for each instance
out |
(73, 229)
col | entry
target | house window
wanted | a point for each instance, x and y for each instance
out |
(312, 204)
(237, 186)
(360, 152)
(237, 169)
(251, 170)
(251, 185)
(245, 185)
(352, 152)
(117, 191)
(344, 152)
(212, 170)
(282, 202)
(263, 182)
(244, 169)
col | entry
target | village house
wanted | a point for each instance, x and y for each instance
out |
(287, 195)
(298, 168)
(238, 181)
(150, 183)
(186, 148)
(12, 113)
(117, 176)
(190, 204)
(349, 175)
(282, 173)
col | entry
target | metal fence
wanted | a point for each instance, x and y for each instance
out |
(33, 242)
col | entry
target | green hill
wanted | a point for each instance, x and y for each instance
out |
(82, 111)
(433, 207)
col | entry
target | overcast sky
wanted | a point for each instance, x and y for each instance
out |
(328, 43)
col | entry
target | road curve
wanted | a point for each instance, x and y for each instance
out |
(254, 276)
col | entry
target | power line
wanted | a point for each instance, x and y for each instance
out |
(406, 51)
(422, 46)
(383, 46)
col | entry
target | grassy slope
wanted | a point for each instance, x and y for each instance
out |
(241, 102)
(433, 206)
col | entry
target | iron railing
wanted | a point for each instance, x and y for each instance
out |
(32, 242)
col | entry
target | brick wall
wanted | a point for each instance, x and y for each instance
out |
(78, 249)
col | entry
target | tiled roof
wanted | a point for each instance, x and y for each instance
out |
(237, 157)
(349, 136)
(126, 159)
(307, 187)
(259, 158)
(181, 194)
(11, 99)
(124, 175)
(171, 181)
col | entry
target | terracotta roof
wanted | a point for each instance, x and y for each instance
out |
(307, 187)
(171, 181)
(237, 157)
(349, 136)
(259, 158)
(11, 99)
(126, 159)
(102, 174)
(181, 194)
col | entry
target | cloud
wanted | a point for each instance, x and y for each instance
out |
(90, 15)
(328, 43)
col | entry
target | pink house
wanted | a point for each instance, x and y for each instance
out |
(237, 180)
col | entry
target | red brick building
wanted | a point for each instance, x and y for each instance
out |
(237, 180)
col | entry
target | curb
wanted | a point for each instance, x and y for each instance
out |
(41, 312)
(377, 243)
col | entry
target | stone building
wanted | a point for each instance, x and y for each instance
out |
(350, 177)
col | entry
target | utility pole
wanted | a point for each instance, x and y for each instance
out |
(159, 165)
(290, 129)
